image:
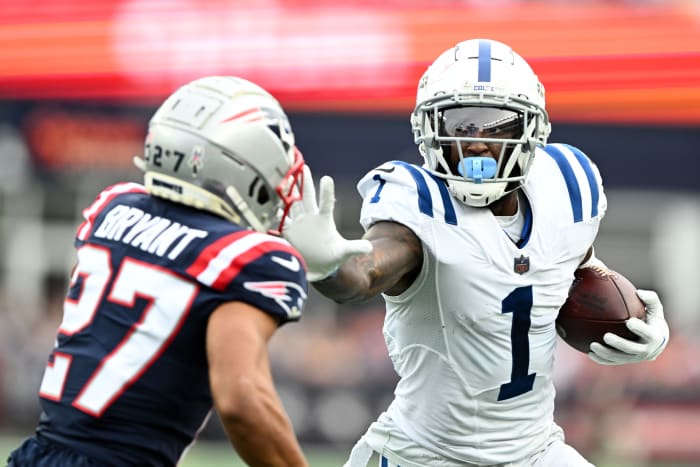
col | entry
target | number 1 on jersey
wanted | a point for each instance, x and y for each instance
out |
(518, 302)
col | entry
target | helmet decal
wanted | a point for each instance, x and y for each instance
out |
(196, 160)
(248, 115)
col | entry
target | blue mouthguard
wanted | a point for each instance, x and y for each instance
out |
(477, 168)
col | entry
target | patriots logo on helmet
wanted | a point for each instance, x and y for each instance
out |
(290, 296)
(254, 114)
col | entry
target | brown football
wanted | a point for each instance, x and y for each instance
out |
(600, 300)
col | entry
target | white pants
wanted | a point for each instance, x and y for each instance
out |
(396, 450)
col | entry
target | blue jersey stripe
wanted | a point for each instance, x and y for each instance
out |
(450, 216)
(570, 179)
(590, 175)
(484, 60)
(425, 200)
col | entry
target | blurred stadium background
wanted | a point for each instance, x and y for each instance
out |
(79, 81)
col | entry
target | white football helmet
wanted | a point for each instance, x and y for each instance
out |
(480, 91)
(224, 145)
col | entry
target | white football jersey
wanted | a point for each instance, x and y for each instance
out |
(473, 337)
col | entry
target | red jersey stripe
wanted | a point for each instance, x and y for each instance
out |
(219, 263)
(247, 257)
(213, 250)
(90, 213)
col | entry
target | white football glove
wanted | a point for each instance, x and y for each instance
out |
(653, 336)
(313, 232)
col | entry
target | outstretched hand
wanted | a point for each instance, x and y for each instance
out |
(313, 232)
(653, 336)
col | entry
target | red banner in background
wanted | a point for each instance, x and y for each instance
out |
(75, 140)
(621, 63)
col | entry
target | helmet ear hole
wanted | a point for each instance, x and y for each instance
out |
(262, 196)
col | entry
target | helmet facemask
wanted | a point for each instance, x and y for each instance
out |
(291, 188)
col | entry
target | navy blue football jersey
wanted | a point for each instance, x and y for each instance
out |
(127, 382)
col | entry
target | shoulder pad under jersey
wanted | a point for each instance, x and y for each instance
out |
(405, 193)
(260, 269)
(582, 179)
(107, 195)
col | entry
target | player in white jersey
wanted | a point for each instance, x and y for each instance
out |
(474, 253)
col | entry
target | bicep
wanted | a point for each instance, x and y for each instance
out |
(397, 256)
(237, 338)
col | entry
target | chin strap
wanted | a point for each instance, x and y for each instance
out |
(245, 211)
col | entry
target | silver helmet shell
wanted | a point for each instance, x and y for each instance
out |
(480, 73)
(224, 145)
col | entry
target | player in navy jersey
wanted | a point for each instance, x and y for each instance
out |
(474, 252)
(177, 289)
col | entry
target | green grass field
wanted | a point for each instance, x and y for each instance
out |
(219, 454)
(210, 454)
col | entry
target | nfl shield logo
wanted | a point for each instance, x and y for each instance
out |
(521, 265)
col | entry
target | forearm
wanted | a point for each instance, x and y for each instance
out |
(261, 432)
(391, 266)
(352, 283)
(243, 389)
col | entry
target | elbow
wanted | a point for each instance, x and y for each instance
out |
(351, 298)
(342, 291)
(231, 409)
(355, 282)
(357, 295)
(239, 404)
